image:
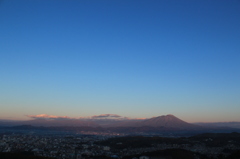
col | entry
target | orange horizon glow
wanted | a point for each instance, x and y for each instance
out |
(109, 116)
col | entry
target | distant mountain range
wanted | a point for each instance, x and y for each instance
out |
(168, 121)
(156, 124)
(52, 122)
(221, 124)
(164, 121)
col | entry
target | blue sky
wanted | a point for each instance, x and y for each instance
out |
(135, 58)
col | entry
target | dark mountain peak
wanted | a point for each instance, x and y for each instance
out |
(168, 117)
(166, 121)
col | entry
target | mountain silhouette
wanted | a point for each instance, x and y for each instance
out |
(169, 121)
(164, 121)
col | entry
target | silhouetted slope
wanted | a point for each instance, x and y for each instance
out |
(164, 121)
(59, 122)
(7, 155)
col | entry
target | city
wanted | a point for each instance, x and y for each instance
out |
(76, 146)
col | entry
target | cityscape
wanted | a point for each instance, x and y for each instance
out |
(160, 137)
(76, 146)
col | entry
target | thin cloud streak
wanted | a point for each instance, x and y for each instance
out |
(45, 116)
(106, 116)
(95, 117)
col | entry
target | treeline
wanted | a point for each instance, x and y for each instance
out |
(8, 155)
(140, 141)
(173, 154)
(209, 139)
(217, 139)
(183, 154)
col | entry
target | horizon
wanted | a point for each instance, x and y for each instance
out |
(138, 59)
(93, 118)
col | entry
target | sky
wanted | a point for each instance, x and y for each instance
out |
(133, 58)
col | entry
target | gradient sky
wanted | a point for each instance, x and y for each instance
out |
(135, 58)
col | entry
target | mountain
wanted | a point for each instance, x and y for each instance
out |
(52, 122)
(156, 123)
(64, 122)
(164, 121)
(221, 124)
(9, 122)
(161, 124)
(169, 121)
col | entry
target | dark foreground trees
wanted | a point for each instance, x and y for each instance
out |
(7, 155)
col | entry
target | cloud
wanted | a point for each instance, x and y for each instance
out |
(95, 117)
(45, 116)
(127, 118)
(140, 118)
(106, 116)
